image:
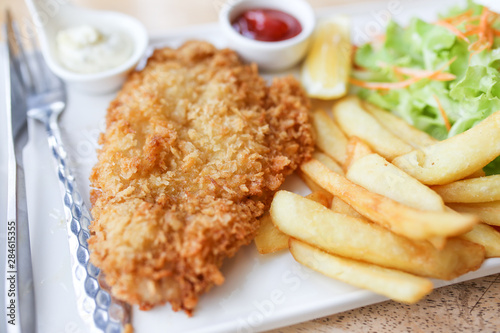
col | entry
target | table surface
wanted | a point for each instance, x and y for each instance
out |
(470, 306)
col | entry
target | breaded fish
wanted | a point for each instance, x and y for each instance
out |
(195, 147)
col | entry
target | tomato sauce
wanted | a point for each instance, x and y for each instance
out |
(268, 25)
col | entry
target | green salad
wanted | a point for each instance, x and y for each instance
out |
(443, 77)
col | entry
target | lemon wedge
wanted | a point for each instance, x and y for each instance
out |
(326, 69)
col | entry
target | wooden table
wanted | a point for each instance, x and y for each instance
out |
(472, 306)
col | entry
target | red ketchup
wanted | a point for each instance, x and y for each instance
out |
(268, 25)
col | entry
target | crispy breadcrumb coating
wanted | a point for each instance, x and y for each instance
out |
(196, 145)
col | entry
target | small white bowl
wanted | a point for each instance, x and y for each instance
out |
(68, 16)
(273, 56)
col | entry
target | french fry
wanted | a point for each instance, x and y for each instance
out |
(329, 137)
(377, 175)
(326, 160)
(488, 212)
(476, 174)
(269, 239)
(355, 121)
(341, 207)
(356, 149)
(313, 186)
(400, 127)
(322, 197)
(353, 238)
(482, 189)
(401, 219)
(486, 236)
(456, 157)
(394, 284)
(405, 131)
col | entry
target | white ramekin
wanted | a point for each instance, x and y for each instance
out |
(271, 56)
(67, 15)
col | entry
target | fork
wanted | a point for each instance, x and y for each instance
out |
(46, 100)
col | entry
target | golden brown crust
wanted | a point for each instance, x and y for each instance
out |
(195, 146)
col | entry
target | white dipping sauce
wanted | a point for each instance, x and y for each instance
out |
(85, 49)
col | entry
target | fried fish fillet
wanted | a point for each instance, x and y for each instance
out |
(196, 145)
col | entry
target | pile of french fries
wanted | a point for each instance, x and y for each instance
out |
(391, 207)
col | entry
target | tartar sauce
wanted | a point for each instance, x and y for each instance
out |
(86, 49)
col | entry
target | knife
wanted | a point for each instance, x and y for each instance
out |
(18, 278)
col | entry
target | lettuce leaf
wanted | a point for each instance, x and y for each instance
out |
(471, 97)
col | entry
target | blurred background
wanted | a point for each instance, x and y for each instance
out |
(157, 15)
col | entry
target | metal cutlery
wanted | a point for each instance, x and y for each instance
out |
(18, 283)
(11, 301)
(46, 100)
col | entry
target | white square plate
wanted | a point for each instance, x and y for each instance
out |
(260, 292)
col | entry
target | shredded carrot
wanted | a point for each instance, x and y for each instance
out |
(475, 25)
(415, 72)
(415, 76)
(470, 19)
(460, 17)
(440, 70)
(485, 27)
(443, 113)
(473, 20)
(470, 25)
(484, 32)
(471, 31)
(437, 75)
(453, 29)
(466, 20)
(394, 85)
(399, 75)
(383, 85)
